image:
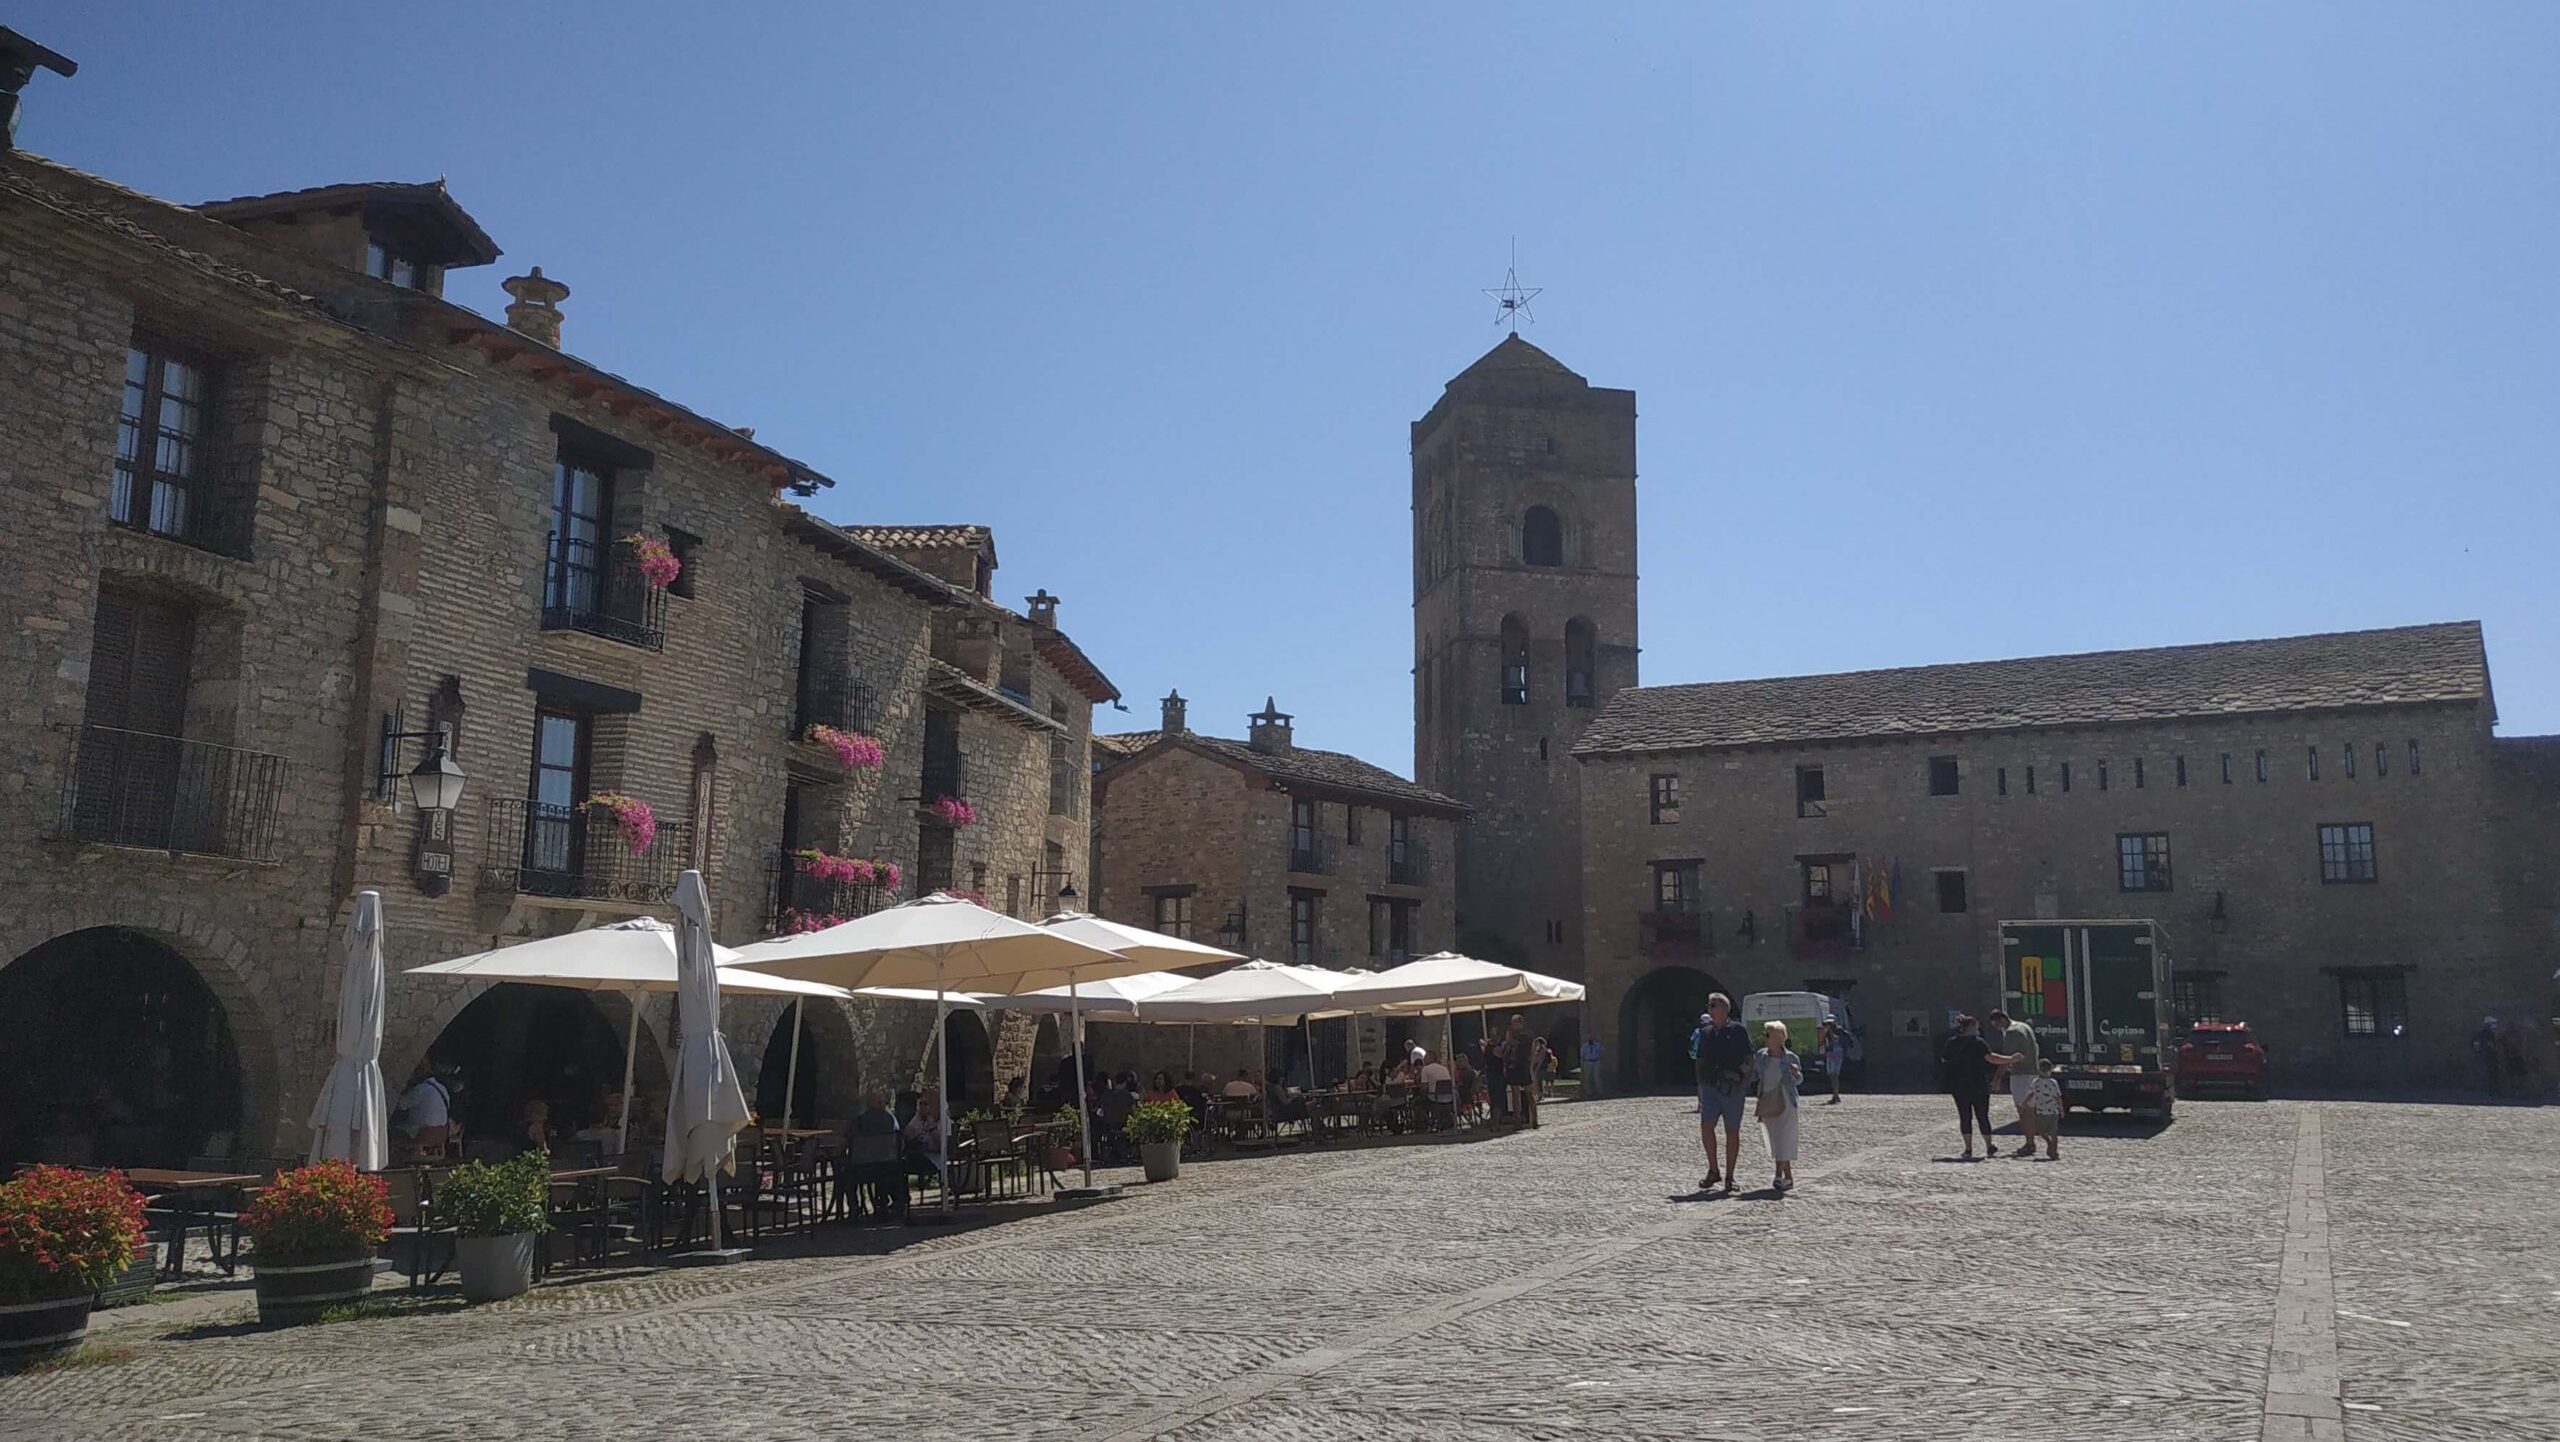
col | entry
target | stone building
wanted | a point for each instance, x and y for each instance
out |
(1524, 624)
(2322, 824)
(288, 518)
(1273, 849)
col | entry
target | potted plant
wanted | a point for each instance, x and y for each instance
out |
(1158, 1128)
(499, 1211)
(63, 1235)
(314, 1230)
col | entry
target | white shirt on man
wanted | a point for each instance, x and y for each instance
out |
(1433, 1074)
(426, 1105)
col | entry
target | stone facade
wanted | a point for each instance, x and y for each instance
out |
(1273, 850)
(1524, 619)
(2034, 828)
(386, 468)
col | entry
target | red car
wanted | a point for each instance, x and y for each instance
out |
(2222, 1054)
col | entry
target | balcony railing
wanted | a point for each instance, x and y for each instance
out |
(134, 788)
(833, 700)
(1822, 928)
(1305, 853)
(599, 589)
(580, 852)
(1407, 862)
(1671, 935)
(799, 898)
(212, 510)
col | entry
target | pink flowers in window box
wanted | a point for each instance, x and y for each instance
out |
(846, 870)
(952, 811)
(852, 748)
(888, 874)
(639, 823)
(796, 922)
(658, 563)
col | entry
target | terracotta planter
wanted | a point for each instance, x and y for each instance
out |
(1163, 1160)
(300, 1291)
(492, 1269)
(40, 1329)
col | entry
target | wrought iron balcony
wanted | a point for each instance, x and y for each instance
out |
(537, 849)
(1678, 933)
(1822, 928)
(599, 589)
(167, 793)
(799, 898)
(1306, 854)
(833, 699)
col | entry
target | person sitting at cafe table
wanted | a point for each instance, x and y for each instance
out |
(533, 1132)
(1194, 1095)
(1242, 1088)
(888, 1194)
(1013, 1100)
(1160, 1088)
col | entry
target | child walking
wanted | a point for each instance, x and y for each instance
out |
(2044, 1098)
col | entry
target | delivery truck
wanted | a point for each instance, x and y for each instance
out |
(2097, 994)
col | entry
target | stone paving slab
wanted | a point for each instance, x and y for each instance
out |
(2174, 1283)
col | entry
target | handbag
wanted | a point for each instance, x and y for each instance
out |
(1773, 1099)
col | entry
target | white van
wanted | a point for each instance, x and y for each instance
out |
(1804, 1012)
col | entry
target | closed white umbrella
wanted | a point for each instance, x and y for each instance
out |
(631, 957)
(706, 1108)
(935, 942)
(348, 1120)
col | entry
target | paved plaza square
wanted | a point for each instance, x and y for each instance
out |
(2291, 1269)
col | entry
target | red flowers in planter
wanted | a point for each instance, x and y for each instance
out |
(658, 563)
(852, 748)
(65, 1232)
(639, 823)
(952, 811)
(325, 1210)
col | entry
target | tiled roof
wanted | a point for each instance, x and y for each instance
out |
(2399, 666)
(835, 541)
(1299, 764)
(923, 538)
(430, 194)
(27, 188)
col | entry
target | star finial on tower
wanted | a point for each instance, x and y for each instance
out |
(1511, 300)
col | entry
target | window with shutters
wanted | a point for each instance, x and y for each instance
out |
(169, 478)
(137, 778)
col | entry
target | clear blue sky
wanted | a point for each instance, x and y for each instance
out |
(1957, 331)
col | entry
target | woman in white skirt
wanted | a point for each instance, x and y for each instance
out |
(1778, 1078)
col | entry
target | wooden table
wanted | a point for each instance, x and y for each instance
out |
(161, 1181)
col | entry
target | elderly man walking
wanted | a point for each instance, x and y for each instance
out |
(1721, 1048)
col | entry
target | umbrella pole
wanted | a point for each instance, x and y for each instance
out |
(1193, 1029)
(1084, 1111)
(1307, 1030)
(630, 1059)
(791, 1079)
(942, 1086)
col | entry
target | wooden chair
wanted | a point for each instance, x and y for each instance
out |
(417, 1238)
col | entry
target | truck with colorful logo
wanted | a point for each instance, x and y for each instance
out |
(2097, 994)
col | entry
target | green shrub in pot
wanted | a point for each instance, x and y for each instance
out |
(499, 1211)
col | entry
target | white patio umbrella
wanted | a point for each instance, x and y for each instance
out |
(1119, 994)
(631, 957)
(1467, 984)
(1262, 993)
(348, 1119)
(706, 1108)
(936, 941)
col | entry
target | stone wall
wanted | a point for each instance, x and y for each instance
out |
(2436, 908)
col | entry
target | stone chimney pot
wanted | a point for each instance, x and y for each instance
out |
(535, 311)
(1270, 733)
(1044, 608)
(1177, 717)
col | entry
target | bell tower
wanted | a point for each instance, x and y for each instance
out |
(1524, 624)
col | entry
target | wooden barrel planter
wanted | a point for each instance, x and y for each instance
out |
(29, 1330)
(301, 1291)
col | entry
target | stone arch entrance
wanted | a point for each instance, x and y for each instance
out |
(973, 1061)
(517, 1042)
(830, 1080)
(1654, 1022)
(114, 1051)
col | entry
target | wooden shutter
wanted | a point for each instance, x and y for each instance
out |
(138, 665)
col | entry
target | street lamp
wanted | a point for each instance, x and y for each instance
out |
(435, 788)
(436, 784)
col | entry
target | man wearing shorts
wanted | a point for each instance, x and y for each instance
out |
(1722, 1051)
(2019, 1040)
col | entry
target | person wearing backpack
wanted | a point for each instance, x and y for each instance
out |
(1721, 1050)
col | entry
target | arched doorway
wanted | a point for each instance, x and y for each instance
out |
(829, 1086)
(1654, 1022)
(113, 1052)
(1050, 1083)
(518, 1042)
(973, 1061)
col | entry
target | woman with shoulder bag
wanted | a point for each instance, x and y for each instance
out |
(1778, 1077)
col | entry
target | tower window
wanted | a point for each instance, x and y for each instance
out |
(1541, 538)
(1581, 659)
(1515, 661)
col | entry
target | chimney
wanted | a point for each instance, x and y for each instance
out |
(1044, 609)
(1177, 717)
(1270, 733)
(535, 311)
(20, 58)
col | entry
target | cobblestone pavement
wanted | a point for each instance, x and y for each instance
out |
(2253, 1271)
